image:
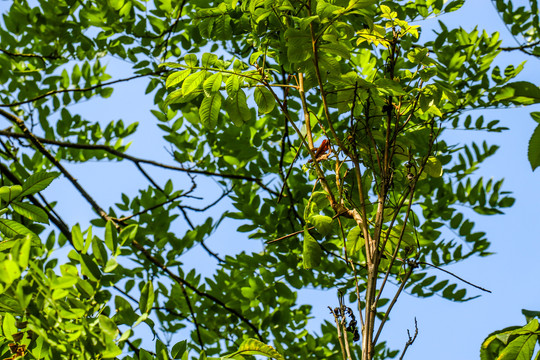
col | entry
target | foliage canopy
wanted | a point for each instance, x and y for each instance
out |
(320, 120)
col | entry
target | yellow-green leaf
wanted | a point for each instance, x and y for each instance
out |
(8, 193)
(209, 110)
(323, 224)
(212, 84)
(30, 211)
(433, 167)
(177, 77)
(255, 347)
(193, 82)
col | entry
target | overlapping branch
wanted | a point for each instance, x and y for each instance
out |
(93, 87)
(137, 245)
(136, 160)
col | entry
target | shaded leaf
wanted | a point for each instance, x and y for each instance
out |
(312, 251)
(237, 108)
(534, 149)
(264, 99)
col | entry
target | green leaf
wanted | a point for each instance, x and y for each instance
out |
(521, 348)
(37, 182)
(98, 250)
(209, 110)
(536, 116)
(519, 92)
(147, 298)
(323, 224)
(454, 5)
(177, 77)
(9, 193)
(419, 55)
(110, 265)
(212, 84)
(112, 351)
(9, 271)
(208, 59)
(255, 347)
(77, 238)
(179, 349)
(111, 237)
(193, 82)
(108, 326)
(63, 282)
(264, 99)
(389, 87)
(433, 167)
(89, 267)
(12, 229)
(233, 85)
(299, 47)
(30, 211)
(336, 48)
(191, 60)
(534, 149)
(312, 251)
(237, 108)
(23, 254)
(8, 326)
(355, 241)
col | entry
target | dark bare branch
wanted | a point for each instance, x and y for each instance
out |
(134, 159)
(60, 91)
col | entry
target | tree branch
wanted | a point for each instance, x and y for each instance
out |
(134, 159)
(41, 57)
(53, 92)
(135, 243)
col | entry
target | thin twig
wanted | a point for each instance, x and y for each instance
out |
(338, 327)
(393, 302)
(181, 208)
(134, 159)
(60, 91)
(454, 275)
(411, 339)
(521, 47)
(41, 57)
(135, 243)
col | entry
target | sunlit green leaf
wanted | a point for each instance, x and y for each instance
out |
(30, 211)
(147, 297)
(255, 347)
(209, 110)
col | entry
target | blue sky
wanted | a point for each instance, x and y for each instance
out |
(446, 330)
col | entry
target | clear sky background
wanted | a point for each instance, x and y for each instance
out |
(447, 330)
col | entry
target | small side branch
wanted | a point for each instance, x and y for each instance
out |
(36, 56)
(411, 339)
(454, 275)
(54, 92)
(133, 159)
(522, 48)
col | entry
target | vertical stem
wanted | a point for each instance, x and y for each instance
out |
(309, 135)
